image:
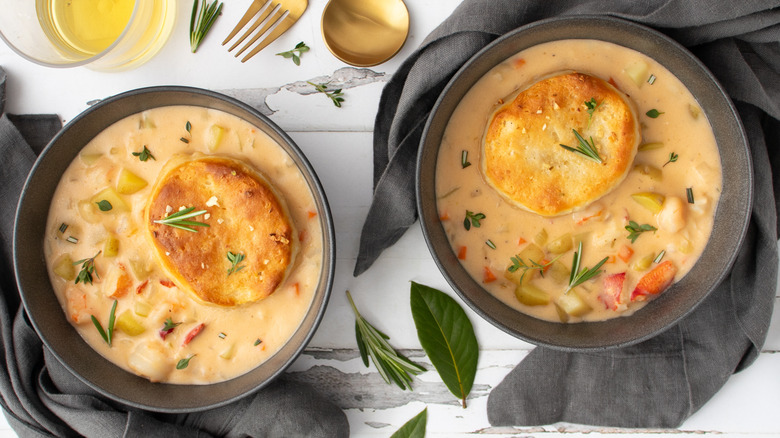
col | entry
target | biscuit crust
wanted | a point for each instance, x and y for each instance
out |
(522, 157)
(245, 216)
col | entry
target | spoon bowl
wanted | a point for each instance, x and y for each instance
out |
(365, 33)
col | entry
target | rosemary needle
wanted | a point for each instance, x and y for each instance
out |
(585, 148)
(178, 219)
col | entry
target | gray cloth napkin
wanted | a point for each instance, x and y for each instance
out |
(662, 381)
(42, 398)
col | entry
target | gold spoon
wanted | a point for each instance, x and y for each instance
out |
(364, 33)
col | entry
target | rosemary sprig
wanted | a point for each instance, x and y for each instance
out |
(672, 158)
(144, 155)
(334, 95)
(200, 23)
(235, 259)
(178, 219)
(635, 230)
(585, 148)
(518, 264)
(107, 334)
(87, 269)
(472, 219)
(391, 364)
(301, 48)
(578, 276)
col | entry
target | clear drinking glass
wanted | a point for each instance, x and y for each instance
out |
(101, 34)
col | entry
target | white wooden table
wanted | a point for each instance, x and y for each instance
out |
(338, 142)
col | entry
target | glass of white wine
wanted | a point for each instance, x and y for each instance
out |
(104, 35)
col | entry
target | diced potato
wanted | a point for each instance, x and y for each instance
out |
(127, 323)
(644, 262)
(638, 72)
(573, 304)
(561, 244)
(652, 172)
(128, 183)
(146, 122)
(151, 360)
(63, 267)
(111, 246)
(89, 159)
(562, 315)
(559, 272)
(228, 352)
(541, 237)
(649, 200)
(694, 111)
(140, 266)
(89, 212)
(118, 204)
(531, 295)
(214, 137)
(142, 308)
(117, 281)
(684, 246)
(531, 253)
(650, 146)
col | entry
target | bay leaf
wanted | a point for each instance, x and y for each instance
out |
(447, 336)
(414, 428)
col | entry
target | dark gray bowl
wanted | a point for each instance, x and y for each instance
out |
(731, 217)
(44, 310)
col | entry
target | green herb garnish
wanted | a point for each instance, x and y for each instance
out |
(660, 256)
(653, 113)
(651, 79)
(392, 365)
(585, 148)
(300, 48)
(104, 205)
(490, 244)
(144, 155)
(178, 219)
(108, 334)
(635, 229)
(235, 259)
(200, 23)
(472, 219)
(672, 158)
(464, 159)
(592, 105)
(188, 126)
(578, 276)
(520, 264)
(72, 239)
(184, 363)
(87, 269)
(334, 95)
(63, 227)
(689, 194)
(257, 342)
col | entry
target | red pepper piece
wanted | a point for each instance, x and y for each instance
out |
(194, 332)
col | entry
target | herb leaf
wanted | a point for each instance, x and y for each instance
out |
(653, 113)
(518, 263)
(87, 269)
(301, 48)
(447, 336)
(414, 428)
(200, 23)
(672, 158)
(390, 364)
(585, 148)
(184, 363)
(178, 219)
(144, 155)
(334, 95)
(578, 276)
(464, 159)
(592, 106)
(107, 335)
(635, 230)
(235, 259)
(689, 194)
(104, 205)
(472, 219)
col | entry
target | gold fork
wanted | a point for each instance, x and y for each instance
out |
(273, 19)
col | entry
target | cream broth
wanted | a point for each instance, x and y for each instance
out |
(233, 340)
(678, 152)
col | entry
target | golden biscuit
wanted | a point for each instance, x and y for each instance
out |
(522, 156)
(245, 218)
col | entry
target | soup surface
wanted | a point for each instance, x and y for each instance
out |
(100, 251)
(629, 245)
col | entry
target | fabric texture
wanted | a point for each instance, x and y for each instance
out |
(41, 398)
(662, 381)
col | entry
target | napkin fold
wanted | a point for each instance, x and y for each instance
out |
(662, 381)
(41, 398)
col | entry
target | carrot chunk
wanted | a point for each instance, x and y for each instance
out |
(488, 275)
(462, 253)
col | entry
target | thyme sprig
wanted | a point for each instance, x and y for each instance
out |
(635, 230)
(87, 269)
(145, 154)
(108, 333)
(472, 219)
(578, 276)
(201, 22)
(235, 260)
(300, 48)
(672, 158)
(585, 148)
(392, 365)
(592, 106)
(519, 264)
(179, 219)
(335, 95)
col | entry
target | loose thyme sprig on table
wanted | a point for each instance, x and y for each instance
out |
(300, 48)
(200, 23)
(585, 148)
(373, 343)
(178, 219)
(578, 277)
(334, 95)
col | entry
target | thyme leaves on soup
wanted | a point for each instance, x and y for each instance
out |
(473, 219)
(635, 230)
(235, 260)
(104, 205)
(518, 264)
(179, 219)
(184, 363)
(585, 148)
(653, 113)
(168, 328)
(145, 154)
(672, 158)
(578, 276)
(87, 269)
(108, 333)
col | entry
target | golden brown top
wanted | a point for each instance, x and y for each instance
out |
(245, 217)
(522, 156)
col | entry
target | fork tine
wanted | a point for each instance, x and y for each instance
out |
(284, 23)
(267, 23)
(268, 9)
(254, 8)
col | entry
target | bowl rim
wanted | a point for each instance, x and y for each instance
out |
(148, 395)
(584, 336)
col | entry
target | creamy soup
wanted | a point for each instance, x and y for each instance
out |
(159, 331)
(650, 228)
